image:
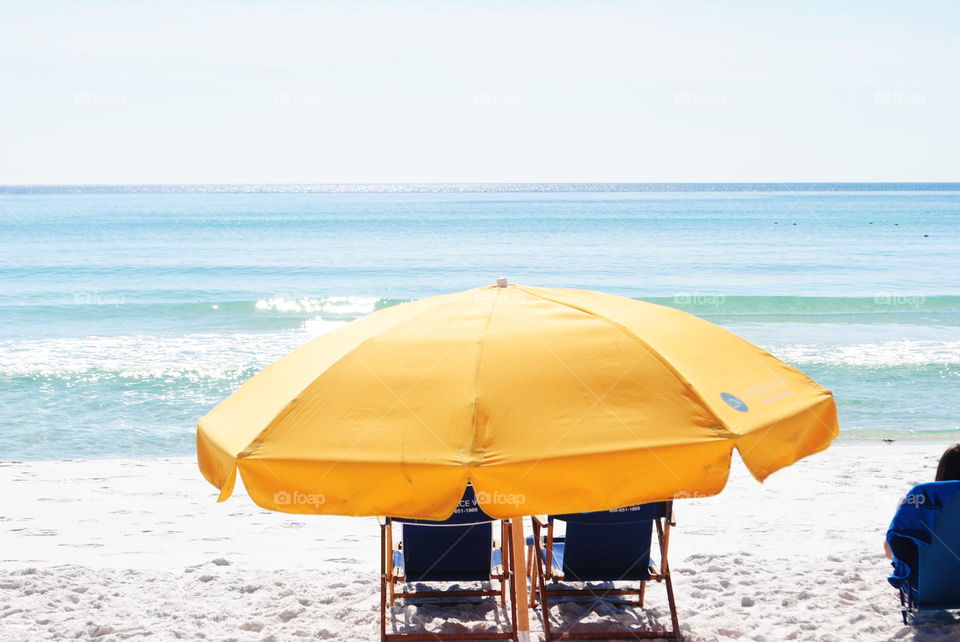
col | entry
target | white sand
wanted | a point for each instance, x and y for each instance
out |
(138, 549)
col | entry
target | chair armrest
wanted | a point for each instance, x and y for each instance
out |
(540, 519)
(383, 521)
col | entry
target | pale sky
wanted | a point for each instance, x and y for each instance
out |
(354, 91)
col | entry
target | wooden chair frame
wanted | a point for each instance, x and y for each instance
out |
(542, 547)
(391, 577)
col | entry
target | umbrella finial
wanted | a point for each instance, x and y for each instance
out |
(502, 282)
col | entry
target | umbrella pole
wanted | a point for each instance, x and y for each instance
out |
(517, 551)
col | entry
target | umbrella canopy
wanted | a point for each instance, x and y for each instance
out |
(546, 400)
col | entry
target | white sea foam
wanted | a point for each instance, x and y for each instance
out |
(886, 353)
(318, 325)
(193, 356)
(345, 306)
(219, 356)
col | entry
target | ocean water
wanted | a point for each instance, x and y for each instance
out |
(127, 313)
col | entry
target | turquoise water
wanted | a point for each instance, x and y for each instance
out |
(125, 314)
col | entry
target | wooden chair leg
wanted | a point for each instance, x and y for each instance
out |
(674, 619)
(506, 563)
(508, 552)
(387, 531)
(533, 588)
(383, 614)
(544, 602)
(531, 574)
(643, 590)
(383, 585)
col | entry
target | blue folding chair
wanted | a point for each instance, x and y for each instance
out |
(458, 549)
(609, 546)
(924, 538)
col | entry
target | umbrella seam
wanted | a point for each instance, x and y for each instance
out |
(476, 374)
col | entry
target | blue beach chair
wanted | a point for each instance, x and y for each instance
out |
(610, 546)
(924, 537)
(458, 549)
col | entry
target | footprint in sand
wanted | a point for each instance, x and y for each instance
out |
(43, 532)
(288, 614)
(253, 627)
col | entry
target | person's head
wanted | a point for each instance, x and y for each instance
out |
(949, 468)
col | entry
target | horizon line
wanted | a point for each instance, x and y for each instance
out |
(486, 186)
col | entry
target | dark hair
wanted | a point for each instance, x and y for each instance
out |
(949, 468)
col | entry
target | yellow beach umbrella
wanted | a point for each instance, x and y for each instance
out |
(546, 400)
